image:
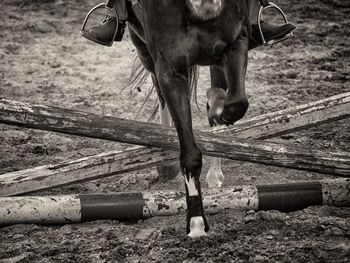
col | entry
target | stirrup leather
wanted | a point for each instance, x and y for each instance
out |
(268, 5)
(110, 11)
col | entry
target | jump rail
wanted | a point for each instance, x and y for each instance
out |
(132, 206)
(112, 163)
(92, 125)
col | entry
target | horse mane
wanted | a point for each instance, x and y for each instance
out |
(139, 75)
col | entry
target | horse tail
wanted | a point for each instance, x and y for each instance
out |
(139, 75)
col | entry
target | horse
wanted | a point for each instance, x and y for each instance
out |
(172, 38)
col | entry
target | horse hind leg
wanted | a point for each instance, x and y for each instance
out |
(216, 96)
(215, 177)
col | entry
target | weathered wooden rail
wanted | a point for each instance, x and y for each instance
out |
(106, 164)
(132, 206)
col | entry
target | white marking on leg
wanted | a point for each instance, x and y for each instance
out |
(191, 186)
(216, 100)
(215, 177)
(197, 227)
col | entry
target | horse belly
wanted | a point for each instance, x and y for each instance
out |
(210, 52)
(210, 43)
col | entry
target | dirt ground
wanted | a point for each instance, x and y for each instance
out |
(45, 61)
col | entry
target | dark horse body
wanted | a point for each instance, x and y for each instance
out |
(171, 39)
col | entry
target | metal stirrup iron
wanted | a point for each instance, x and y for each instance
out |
(265, 4)
(109, 6)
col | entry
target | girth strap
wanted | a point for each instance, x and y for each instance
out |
(110, 3)
(264, 3)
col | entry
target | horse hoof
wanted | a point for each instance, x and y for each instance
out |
(197, 227)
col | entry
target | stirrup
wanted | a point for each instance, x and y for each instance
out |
(85, 32)
(273, 41)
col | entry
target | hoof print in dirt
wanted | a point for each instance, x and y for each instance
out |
(40, 150)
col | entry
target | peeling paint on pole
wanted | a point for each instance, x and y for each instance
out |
(158, 203)
(143, 205)
(40, 210)
(237, 197)
(336, 192)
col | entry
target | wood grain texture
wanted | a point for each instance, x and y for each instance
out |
(107, 164)
(80, 170)
(291, 119)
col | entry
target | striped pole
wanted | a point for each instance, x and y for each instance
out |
(132, 206)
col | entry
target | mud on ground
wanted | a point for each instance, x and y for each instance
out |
(45, 61)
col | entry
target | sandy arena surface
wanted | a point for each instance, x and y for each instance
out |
(45, 61)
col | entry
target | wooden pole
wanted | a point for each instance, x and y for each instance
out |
(132, 206)
(264, 126)
(85, 169)
(292, 119)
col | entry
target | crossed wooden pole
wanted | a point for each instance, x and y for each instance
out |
(235, 142)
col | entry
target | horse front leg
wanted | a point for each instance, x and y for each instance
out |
(235, 66)
(174, 87)
(233, 102)
(227, 101)
(166, 171)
